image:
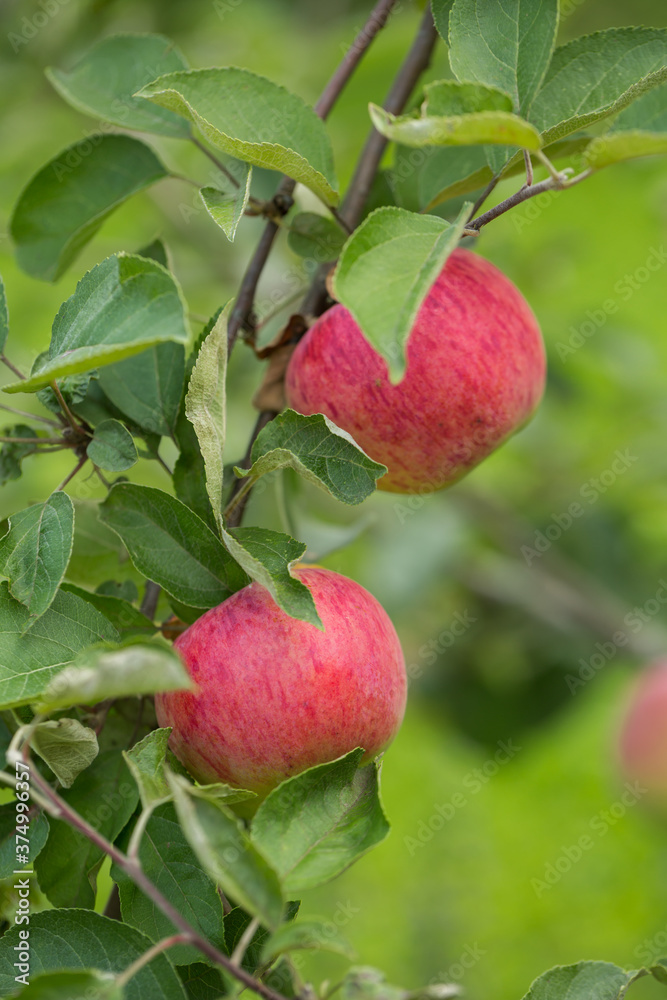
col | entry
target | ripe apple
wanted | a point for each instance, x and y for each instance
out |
(475, 375)
(643, 739)
(276, 695)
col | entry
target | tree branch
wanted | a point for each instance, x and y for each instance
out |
(62, 810)
(413, 66)
(523, 194)
(241, 312)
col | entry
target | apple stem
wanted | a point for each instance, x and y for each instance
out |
(523, 194)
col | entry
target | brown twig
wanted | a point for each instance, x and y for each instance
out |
(80, 464)
(5, 360)
(242, 310)
(151, 597)
(523, 194)
(69, 416)
(414, 64)
(214, 159)
(236, 510)
(63, 811)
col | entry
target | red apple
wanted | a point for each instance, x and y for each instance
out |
(643, 740)
(275, 695)
(475, 375)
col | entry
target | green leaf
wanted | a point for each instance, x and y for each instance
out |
(4, 316)
(319, 451)
(619, 146)
(386, 270)
(498, 127)
(227, 854)
(581, 981)
(146, 763)
(147, 387)
(104, 81)
(128, 620)
(119, 308)
(11, 455)
(255, 120)
(102, 673)
(35, 552)
(66, 746)
(506, 45)
(73, 389)
(29, 661)
(170, 863)
(189, 473)
(64, 205)
(597, 75)
(226, 207)
(648, 113)
(87, 984)
(202, 982)
(156, 250)
(205, 407)
(267, 557)
(12, 858)
(112, 447)
(81, 939)
(659, 970)
(314, 826)
(441, 9)
(169, 544)
(315, 236)
(307, 934)
(424, 179)
(639, 130)
(106, 796)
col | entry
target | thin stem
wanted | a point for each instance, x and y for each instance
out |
(5, 360)
(151, 597)
(164, 464)
(245, 939)
(31, 416)
(35, 440)
(134, 842)
(340, 220)
(71, 419)
(80, 464)
(237, 503)
(149, 955)
(237, 498)
(102, 478)
(484, 195)
(62, 810)
(214, 159)
(524, 194)
(529, 167)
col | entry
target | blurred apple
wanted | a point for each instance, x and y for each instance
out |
(643, 739)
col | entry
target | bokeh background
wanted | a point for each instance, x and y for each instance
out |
(485, 888)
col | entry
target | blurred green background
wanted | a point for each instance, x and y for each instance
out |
(494, 639)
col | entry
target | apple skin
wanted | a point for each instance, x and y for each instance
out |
(276, 695)
(475, 375)
(643, 738)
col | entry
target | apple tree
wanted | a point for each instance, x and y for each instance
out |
(207, 875)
